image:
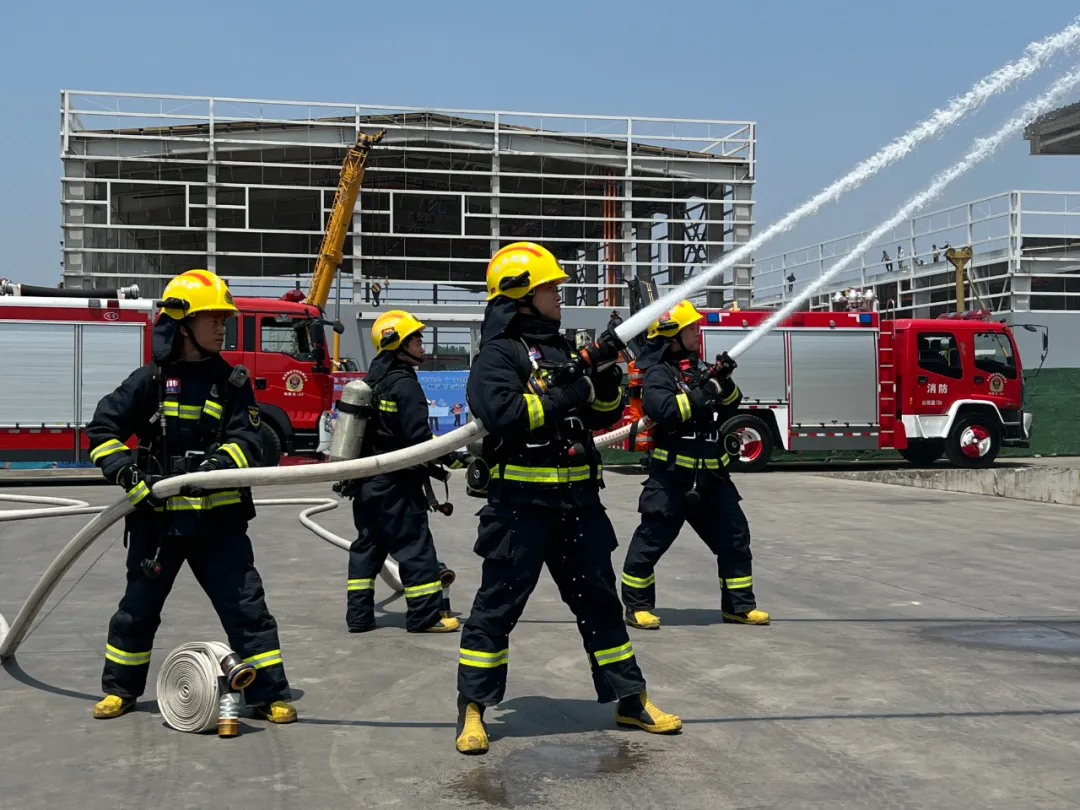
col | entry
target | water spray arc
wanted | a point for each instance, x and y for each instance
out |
(981, 149)
(1038, 54)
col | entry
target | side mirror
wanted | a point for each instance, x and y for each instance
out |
(1046, 343)
(339, 327)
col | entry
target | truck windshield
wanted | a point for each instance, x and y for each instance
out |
(994, 354)
(292, 336)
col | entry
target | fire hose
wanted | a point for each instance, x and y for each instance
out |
(199, 687)
(60, 507)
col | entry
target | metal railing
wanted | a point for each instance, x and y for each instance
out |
(1022, 233)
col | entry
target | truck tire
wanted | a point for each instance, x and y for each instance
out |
(755, 440)
(271, 446)
(923, 452)
(974, 441)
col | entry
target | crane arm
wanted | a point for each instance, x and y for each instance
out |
(330, 257)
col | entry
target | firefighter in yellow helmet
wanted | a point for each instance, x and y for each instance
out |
(541, 474)
(390, 511)
(687, 402)
(192, 412)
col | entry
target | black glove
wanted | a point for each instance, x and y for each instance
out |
(455, 459)
(209, 465)
(605, 350)
(566, 398)
(608, 382)
(723, 367)
(139, 487)
(704, 393)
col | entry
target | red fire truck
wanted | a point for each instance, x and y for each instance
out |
(852, 380)
(61, 351)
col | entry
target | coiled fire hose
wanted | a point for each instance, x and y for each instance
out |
(199, 687)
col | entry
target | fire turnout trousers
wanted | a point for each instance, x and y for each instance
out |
(391, 517)
(576, 545)
(224, 565)
(718, 520)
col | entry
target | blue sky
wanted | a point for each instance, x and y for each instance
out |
(828, 83)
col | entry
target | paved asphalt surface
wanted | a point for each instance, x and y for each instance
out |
(925, 652)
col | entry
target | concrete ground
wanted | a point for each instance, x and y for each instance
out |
(924, 653)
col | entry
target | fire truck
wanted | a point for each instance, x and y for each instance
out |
(951, 386)
(61, 351)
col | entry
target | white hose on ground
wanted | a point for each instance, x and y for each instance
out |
(188, 685)
(12, 636)
(54, 507)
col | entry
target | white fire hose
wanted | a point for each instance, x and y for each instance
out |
(60, 507)
(189, 689)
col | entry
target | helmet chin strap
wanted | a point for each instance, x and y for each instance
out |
(410, 355)
(527, 302)
(678, 339)
(186, 329)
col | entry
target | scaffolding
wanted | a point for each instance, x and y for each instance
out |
(153, 185)
(1026, 247)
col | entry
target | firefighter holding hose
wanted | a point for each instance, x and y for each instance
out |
(390, 511)
(688, 477)
(191, 412)
(542, 474)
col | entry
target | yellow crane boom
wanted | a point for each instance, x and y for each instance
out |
(330, 256)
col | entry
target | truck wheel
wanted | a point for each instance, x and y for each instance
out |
(755, 442)
(974, 441)
(923, 452)
(271, 446)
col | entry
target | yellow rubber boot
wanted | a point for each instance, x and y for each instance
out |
(113, 706)
(444, 625)
(277, 712)
(642, 619)
(472, 735)
(637, 711)
(747, 617)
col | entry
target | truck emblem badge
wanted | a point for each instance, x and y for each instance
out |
(172, 386)
(997, 383)
(294, 382)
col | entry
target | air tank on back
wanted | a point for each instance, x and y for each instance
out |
(353, 410)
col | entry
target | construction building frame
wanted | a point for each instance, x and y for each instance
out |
(156, 184)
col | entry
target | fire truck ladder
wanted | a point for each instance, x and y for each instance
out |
(886, 385)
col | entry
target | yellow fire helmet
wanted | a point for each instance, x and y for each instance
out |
(518, 269)
(196, 291)
(674, 321)
(392, 329)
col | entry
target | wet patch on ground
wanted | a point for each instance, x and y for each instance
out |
(1052, 639)
(519, 778)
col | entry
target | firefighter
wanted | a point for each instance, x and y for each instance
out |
(688, 477)
(191, 412)
(390, 511)
(542, 476)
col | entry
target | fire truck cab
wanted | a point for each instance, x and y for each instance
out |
(822, 381)
(62, 351)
